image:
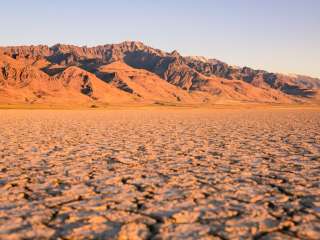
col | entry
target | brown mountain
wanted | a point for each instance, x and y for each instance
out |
(147, 86)
(133, 72)
(78, 81)
(24, 83)
(296, 85)
(21, 82)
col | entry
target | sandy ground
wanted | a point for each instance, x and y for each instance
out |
(160, 174)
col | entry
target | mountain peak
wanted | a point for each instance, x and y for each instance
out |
(175, 53)
(132, 45)
(63, 47)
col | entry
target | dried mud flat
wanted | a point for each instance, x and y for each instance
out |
(160, 174)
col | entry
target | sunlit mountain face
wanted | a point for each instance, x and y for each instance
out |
(133, 73)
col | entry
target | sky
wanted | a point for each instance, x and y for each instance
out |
(274, 35)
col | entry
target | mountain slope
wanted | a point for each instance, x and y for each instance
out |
(24, 83)
(297, 85)
(145, 85)
(78, 81)
(155, 75)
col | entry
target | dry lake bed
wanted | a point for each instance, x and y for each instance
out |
(160, 174)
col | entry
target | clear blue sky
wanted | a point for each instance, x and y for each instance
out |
(276, 35)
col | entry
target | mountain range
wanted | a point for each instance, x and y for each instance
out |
(133, 73)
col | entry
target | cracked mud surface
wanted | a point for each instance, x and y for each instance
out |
(160, 174)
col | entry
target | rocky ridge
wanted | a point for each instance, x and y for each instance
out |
(211, 80)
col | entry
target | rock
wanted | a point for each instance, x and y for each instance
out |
(277, 236)
(134, 231)
(186, 217)
(309, 230)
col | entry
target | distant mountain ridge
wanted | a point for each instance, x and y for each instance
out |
(172, 79)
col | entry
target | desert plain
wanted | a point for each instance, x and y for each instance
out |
(160, 174)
